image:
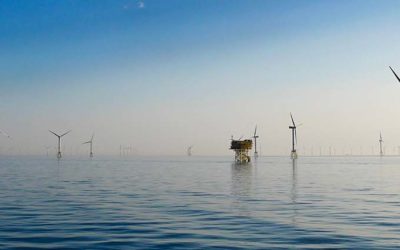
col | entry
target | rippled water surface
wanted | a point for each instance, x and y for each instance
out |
(200, 202)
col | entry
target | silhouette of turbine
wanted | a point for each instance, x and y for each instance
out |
(91, 146)
(59, 142)
(255, 136)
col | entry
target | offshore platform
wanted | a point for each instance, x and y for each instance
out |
(241, 148)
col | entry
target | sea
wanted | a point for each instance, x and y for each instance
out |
(200, 203)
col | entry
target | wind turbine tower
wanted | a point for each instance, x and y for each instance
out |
(380, 144)
(59, 142)
(255, 136)
(293, 154)
(91, 146)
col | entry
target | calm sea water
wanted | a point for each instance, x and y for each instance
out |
(200, 203)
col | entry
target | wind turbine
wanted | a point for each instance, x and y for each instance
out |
(189, 150)
(293, 154)
(59, 142)
(91, 146)
(380, 143)
(5, 134)
(47, 151)
(255, 136)
(394, 73)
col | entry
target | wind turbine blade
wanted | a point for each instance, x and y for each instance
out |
(86, 142)
(398, 79)
(294, 125)
(91, 139)
(295, 136)
(255, 131)
(65, 133)
(240, 138)
(54, 133)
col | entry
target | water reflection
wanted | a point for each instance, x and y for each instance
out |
(273, 203)
(241, 186)
(293, 191)
(241, 179)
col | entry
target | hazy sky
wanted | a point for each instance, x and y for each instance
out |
(162, 75)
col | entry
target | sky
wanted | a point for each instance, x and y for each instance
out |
(162, 75)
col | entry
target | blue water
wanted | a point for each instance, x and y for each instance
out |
(199, 203)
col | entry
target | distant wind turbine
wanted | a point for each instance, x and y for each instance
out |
(293, 154)
(91, 146)
(380, 144)
(47, 151)
(59, 142)
(189, 150)
(255, 136)
(5, 134)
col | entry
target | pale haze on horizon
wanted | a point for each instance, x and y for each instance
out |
(162, 75)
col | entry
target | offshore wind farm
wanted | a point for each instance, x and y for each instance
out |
(135, 124)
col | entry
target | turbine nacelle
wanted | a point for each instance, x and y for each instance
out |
(59, 136)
